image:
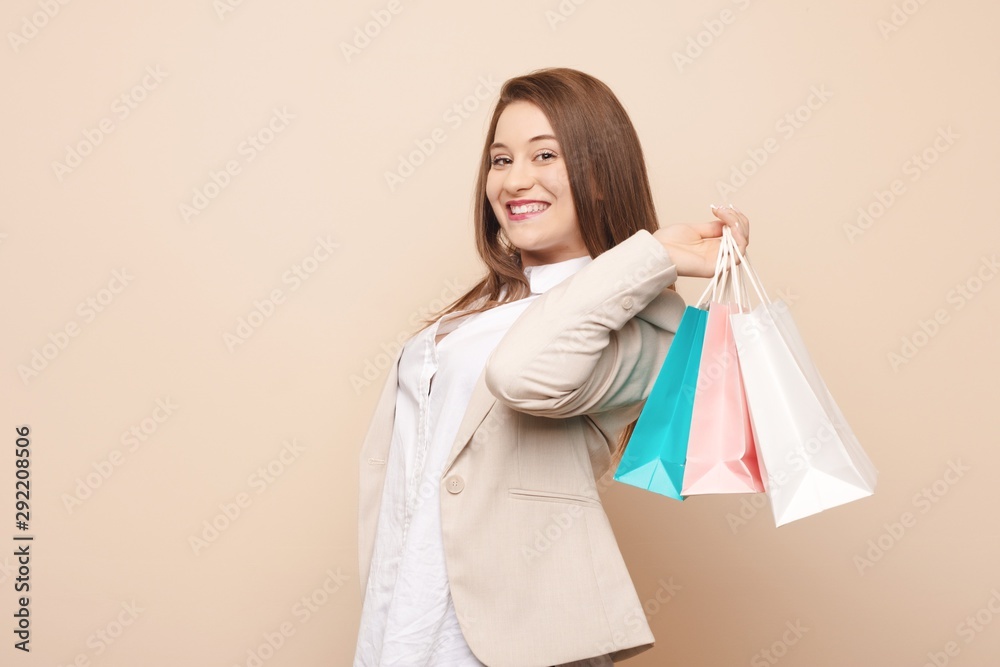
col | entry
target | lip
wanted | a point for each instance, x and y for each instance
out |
(524, 216)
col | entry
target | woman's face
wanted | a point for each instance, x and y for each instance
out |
(528, 173)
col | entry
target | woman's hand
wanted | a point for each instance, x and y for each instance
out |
(694, 247)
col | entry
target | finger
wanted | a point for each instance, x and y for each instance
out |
(708, 230)
(744, 222)
(740, 235)
(724, 213)
(741, 245)
(739, 214)
(730, 218)
(734, 220)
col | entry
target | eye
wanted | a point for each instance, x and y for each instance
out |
(499, 161)
(549, 153)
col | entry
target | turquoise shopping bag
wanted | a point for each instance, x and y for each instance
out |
(655, 453)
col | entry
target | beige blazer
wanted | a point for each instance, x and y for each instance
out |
(535, 573)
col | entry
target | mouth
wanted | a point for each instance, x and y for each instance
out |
(517, 211)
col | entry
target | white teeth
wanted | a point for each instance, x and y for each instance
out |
(528, 208)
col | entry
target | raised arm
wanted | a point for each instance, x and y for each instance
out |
(594, 342)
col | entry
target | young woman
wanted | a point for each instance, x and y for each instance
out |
(482, 539)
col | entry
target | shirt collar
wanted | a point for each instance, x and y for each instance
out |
(543, 277)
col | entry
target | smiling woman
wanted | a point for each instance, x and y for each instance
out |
(544, 227)
(482, 537)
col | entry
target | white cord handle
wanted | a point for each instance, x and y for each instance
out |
(751, 274)
(727, 284)
(739, 287)
(724, 260)
(713, 284)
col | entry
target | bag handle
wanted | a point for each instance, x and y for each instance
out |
(724, 260)
(748, 270)
(713, 284)
(739, 286)
(726, 284)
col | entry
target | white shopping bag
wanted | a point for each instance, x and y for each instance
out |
(810, 458)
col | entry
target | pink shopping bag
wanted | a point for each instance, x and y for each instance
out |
(722, 453)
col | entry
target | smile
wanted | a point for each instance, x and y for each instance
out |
(525, 211)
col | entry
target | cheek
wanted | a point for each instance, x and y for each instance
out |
(559, 184)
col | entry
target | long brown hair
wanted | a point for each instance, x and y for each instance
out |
(607, 177)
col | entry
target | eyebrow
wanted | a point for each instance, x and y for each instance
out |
(497, 144)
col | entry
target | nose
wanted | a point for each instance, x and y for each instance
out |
(518, 177)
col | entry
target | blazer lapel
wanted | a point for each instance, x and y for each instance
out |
(375, 447)
(479, 405)
(375, 454)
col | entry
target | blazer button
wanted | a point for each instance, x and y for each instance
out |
(455, 484)
(627, 303)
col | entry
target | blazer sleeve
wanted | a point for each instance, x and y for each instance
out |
(578, 348)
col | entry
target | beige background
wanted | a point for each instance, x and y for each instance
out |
(120, 563)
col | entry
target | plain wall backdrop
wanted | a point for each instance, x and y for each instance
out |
(206, 264)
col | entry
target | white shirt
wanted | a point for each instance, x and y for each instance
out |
(408, 619)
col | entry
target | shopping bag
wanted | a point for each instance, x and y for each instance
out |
(654, 454)
(721, 454)
(810, 458)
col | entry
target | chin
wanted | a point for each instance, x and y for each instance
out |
(521, 243)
